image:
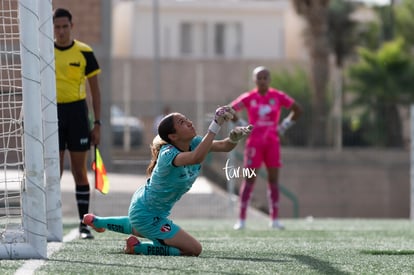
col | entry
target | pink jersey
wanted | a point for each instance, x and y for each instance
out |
(263, 111)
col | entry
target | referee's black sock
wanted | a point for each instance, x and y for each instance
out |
(82, 199)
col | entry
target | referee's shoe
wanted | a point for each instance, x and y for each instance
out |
(85, 232)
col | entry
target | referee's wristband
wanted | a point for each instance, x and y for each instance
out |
(97, 122)
(214, 127)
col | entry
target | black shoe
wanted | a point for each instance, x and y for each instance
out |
(84, 232)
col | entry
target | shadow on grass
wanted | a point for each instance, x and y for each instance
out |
(388, 252)
(244, 259)
(322, 267)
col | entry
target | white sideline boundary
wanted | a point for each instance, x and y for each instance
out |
(30, 266)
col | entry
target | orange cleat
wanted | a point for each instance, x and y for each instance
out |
(88, 220)
(131, 242)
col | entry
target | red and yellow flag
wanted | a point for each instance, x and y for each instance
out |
(101, 179)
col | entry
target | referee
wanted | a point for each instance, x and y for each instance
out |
(75, 63)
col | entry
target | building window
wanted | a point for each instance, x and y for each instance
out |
(202, 39)
(186, 39)
(219, 35)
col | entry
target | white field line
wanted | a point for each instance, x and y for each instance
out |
(30, 266)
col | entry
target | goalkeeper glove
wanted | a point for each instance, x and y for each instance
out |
(286, 124)
(224, 113)
(240, 132)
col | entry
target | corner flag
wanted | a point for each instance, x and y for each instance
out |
(101, 179)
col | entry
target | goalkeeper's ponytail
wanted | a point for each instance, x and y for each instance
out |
(165, 127)
(155, 147)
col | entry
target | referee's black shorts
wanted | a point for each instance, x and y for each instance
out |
(74, 126)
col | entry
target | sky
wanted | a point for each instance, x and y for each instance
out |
(378, 2)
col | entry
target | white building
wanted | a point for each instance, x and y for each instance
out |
(193, 55)
(196, 54)
(242, 29)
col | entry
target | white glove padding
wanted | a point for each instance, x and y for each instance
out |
(240, 132)
(286, 124)
(224, 113)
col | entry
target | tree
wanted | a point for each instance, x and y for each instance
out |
(315, 14)
(404, 21)
(382, 80)
(387, 86)
(342, 41)
(341, 30)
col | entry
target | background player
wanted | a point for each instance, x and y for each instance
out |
(263, 106)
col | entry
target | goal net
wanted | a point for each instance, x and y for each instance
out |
(30, 206)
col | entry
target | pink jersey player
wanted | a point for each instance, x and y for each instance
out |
(263, 106)
(263, 112)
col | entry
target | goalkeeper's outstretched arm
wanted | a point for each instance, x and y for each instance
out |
(236, 134)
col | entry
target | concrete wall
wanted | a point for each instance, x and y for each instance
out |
(184, 80)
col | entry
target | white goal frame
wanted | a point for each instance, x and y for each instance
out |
(39, 176)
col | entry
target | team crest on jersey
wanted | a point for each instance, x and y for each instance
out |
(264, 110)
(166, 228)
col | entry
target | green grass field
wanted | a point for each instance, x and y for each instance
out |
(321, 246)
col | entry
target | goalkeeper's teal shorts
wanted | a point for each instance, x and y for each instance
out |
(151, 226)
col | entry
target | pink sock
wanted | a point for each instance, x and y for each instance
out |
(273, 198)
(245, 193)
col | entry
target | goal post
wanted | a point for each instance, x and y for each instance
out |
(50, 123)
(30, 207)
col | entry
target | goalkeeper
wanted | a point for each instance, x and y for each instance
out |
(263, 106)
(177, 154)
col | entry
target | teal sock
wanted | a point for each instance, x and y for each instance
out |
(118, 224)
(150, 248)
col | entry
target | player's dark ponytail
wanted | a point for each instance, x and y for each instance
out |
(165, 128)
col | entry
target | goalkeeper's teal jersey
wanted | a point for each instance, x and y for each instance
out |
(167, 184)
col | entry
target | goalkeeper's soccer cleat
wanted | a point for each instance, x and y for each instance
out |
(131, 242)
(88, 220)
(276, 224)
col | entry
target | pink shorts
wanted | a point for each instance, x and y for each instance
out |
(258, 151)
